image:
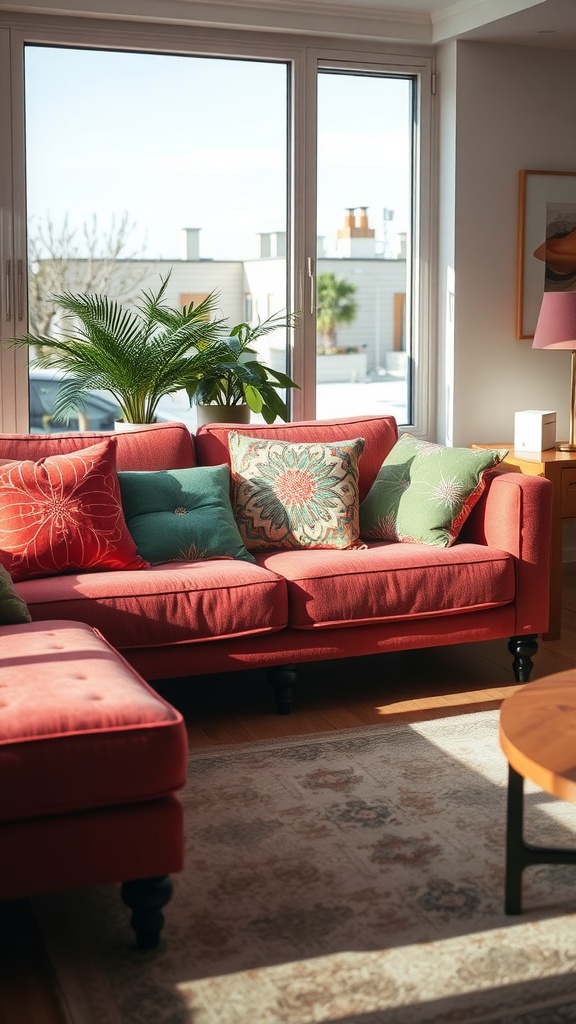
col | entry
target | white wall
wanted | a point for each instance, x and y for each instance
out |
(443, 402)
(514, 110)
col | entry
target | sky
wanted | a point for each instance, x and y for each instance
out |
(178, 141)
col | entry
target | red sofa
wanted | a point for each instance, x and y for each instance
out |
(189, 618)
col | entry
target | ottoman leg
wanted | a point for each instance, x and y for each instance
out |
(146, 897)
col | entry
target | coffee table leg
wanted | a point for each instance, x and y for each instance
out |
(515, 847)
(520, 854)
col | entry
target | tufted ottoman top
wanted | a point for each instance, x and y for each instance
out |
(79, 728)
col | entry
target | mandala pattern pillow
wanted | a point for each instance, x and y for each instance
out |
(290, 495)
(64, 514)
(182, 514)
(424, 492)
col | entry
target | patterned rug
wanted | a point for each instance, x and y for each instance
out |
(353, 877)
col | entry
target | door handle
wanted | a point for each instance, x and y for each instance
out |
(311, 278)
(20, 276)
(8, 289)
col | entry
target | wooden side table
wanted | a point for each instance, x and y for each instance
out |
(538, 737)
(560, 469)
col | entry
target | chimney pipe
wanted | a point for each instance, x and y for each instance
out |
(191, 243)
(363, 219)
(349, 218)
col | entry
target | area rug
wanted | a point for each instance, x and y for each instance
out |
(351, 877)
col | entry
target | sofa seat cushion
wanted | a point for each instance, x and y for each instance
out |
(79, 728)
(390, 581)
(171, 603)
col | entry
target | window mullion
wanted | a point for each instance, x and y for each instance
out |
(13, 362)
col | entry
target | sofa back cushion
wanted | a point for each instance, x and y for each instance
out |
(379, 432)
(148, 447)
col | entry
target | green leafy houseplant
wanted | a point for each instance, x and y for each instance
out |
(139, 355)
(236, 378)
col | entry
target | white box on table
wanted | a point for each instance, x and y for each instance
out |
(534, 430)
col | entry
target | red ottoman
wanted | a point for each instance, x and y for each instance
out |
(90, 760)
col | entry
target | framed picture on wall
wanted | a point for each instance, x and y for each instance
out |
(546, 242)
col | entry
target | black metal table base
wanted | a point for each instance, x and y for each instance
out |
(520, 854)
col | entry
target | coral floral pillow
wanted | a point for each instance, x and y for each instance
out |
(64, 514)
(290, 495)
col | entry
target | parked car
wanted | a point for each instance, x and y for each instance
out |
(100, 412)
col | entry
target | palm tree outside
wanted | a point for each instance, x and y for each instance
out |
(335, 306)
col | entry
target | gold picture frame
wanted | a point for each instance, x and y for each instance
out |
(538, 192)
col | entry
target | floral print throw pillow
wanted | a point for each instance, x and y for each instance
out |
(64, 514)
(291, 495)
(424, 492)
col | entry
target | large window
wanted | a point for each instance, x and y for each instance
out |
(149, 169)
(282, 174)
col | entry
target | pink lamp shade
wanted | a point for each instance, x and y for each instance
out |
(556, 327)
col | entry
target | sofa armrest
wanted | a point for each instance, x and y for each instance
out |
(514, 513)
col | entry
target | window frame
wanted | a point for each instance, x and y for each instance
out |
(305, 56)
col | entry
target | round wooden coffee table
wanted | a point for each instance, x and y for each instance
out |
(538, 737)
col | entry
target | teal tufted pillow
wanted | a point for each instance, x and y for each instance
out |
(181, 514)
(12, 608)
(424, 492)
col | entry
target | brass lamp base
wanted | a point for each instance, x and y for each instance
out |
(570, 446)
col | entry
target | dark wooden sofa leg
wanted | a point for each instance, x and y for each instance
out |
(522, 649)
(146, 897)
(283, 679)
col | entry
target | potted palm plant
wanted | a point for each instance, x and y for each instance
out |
(238, 383)
(144, 353)
(138, 354)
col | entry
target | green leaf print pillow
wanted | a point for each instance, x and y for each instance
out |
(424, 492)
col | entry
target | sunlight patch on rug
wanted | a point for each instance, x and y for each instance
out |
(351, 877)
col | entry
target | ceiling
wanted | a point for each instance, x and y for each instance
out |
(549, 23)
(544, 23)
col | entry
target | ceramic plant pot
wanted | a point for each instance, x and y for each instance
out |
(222, 414)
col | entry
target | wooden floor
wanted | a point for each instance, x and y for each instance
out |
(239, 708)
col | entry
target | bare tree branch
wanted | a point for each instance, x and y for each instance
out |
(63, 258)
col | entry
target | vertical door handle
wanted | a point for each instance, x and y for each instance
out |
(20, 276)
(8, 289)
(312, 281)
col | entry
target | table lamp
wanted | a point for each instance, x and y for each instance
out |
(556, 328)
